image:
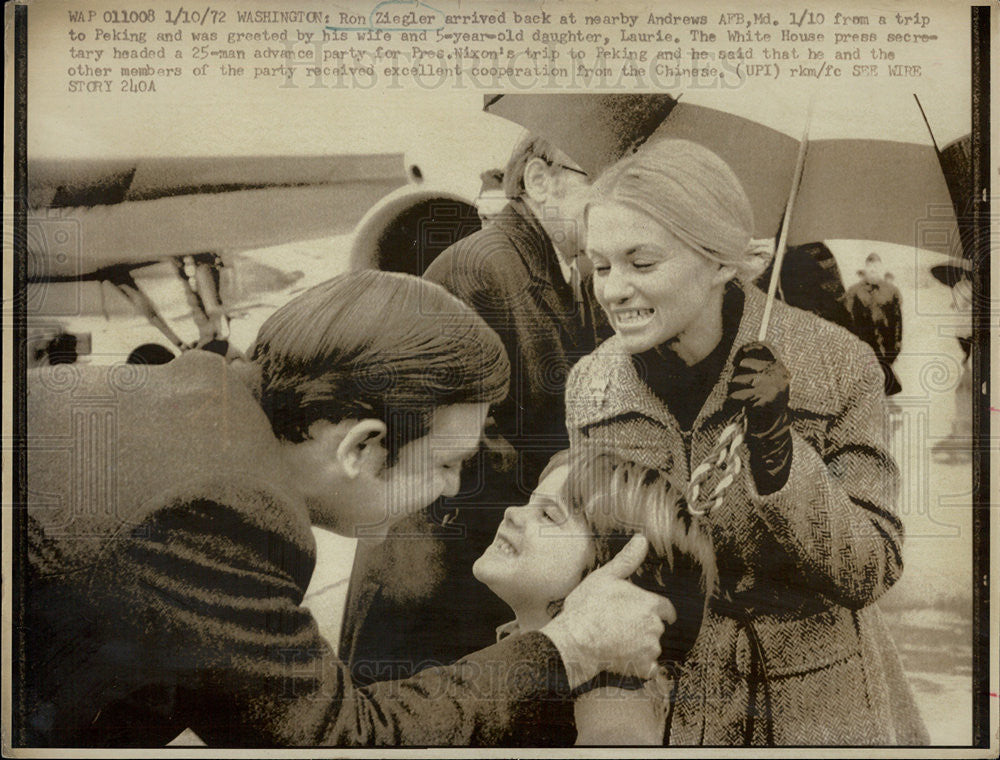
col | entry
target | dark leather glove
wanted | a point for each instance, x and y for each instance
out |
(760, 385)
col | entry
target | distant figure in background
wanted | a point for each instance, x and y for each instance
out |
(520, 274)
(876, 313)
(201, 275)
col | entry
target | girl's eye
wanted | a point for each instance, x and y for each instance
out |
(602, 269)
(555, 516)
(547, 514)
(643, 264)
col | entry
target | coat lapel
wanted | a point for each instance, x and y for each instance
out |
(615, 389)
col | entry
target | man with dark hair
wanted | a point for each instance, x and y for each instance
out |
(168, 543)
(521, 274)
(876, 311)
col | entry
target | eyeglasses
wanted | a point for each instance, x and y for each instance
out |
(568, 168)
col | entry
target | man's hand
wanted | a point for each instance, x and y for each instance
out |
(609, 624)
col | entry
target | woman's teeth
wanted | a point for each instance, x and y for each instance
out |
(633, 315)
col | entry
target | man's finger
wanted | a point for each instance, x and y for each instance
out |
(665, 609)
(627, 561)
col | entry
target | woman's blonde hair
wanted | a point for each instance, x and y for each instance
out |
(691, 192)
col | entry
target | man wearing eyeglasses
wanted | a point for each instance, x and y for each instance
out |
(522, 274)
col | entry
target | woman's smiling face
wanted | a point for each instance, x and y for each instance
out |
(655, 288)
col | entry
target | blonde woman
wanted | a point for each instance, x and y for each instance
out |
(792, 650)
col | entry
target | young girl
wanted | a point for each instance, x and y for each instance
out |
(586, 506)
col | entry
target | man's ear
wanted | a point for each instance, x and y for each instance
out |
(362, 448)
(537, 179)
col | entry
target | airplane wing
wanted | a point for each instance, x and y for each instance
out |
(86, 216)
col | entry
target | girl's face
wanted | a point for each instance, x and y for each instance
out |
(541, 550)
(655, 288)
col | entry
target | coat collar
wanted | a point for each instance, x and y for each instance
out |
(613, 388)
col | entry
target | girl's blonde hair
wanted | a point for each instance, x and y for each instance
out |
(618, 498)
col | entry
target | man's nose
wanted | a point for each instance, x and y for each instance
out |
(452, 483)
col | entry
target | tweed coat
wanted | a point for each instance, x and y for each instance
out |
(165, 565)
(792, 649)
(422, 573)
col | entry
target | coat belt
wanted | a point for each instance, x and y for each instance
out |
(757, 680)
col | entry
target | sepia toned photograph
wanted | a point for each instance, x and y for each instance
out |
(474, 378)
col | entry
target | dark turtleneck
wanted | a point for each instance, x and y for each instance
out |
(684, 389)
